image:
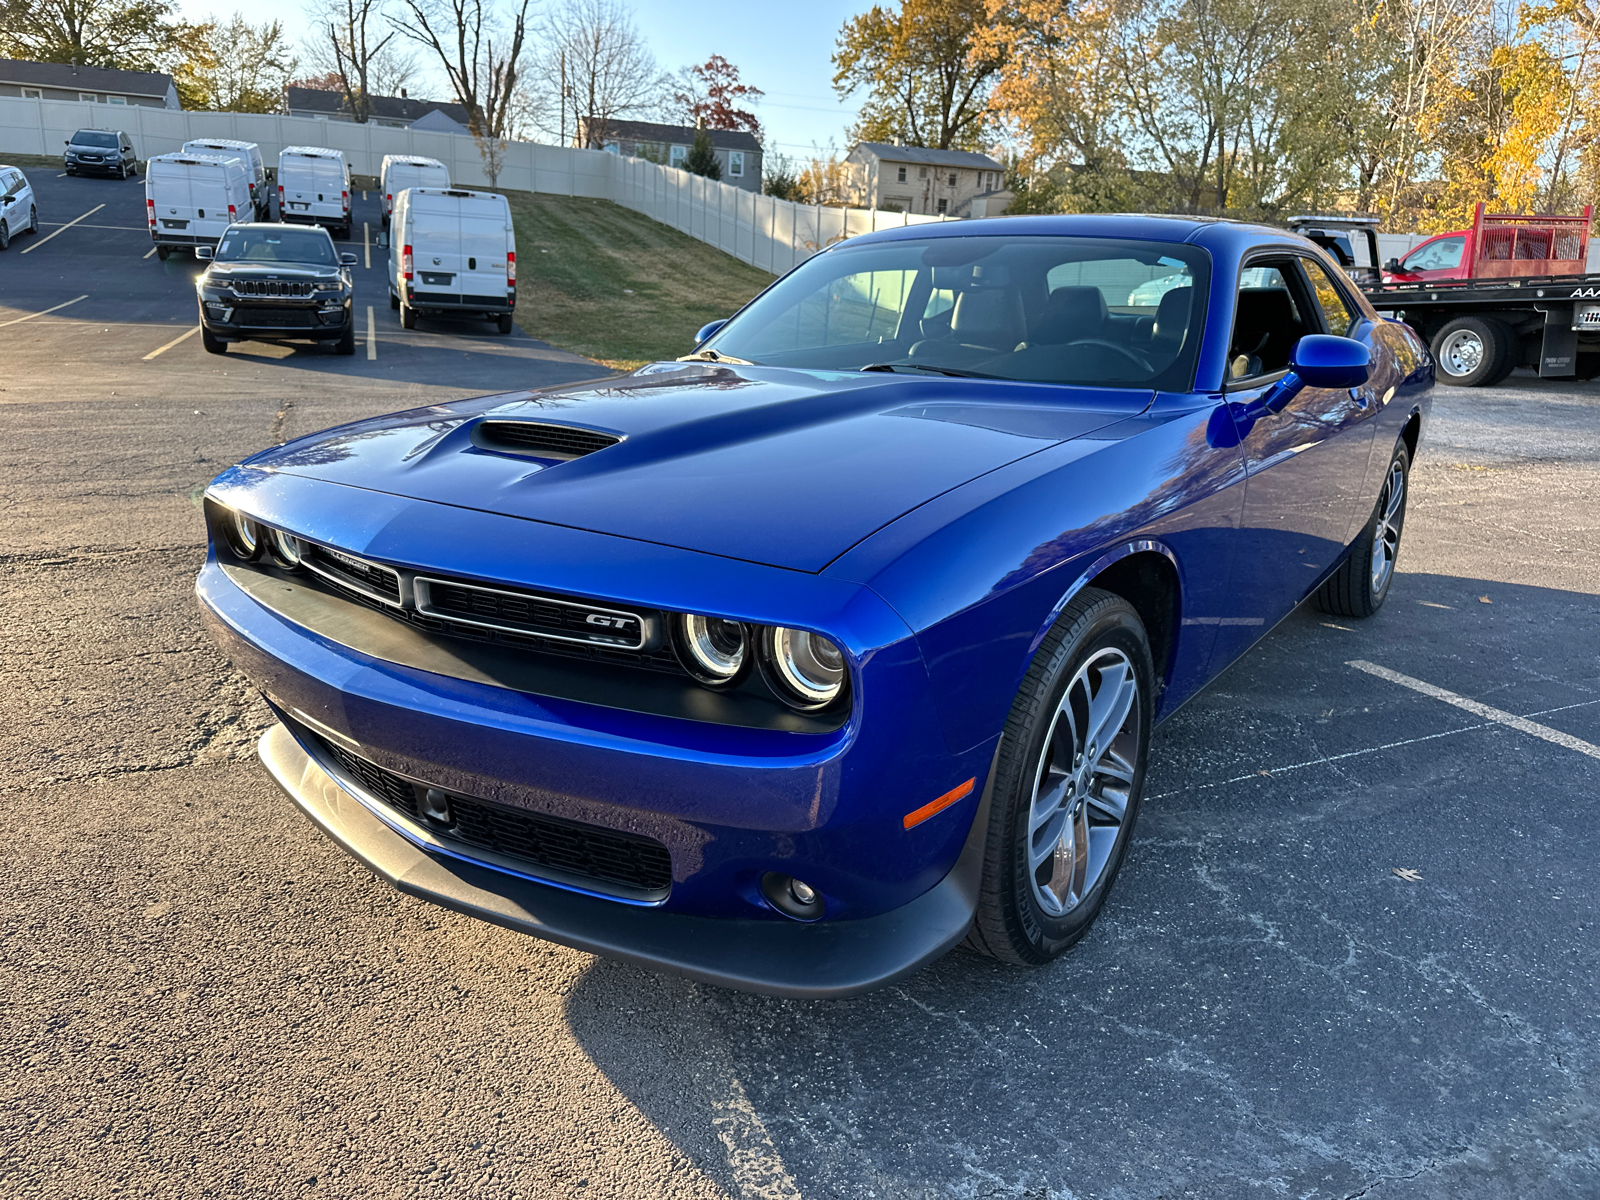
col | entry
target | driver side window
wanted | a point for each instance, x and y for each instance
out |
(1443, 255)
(1267, 322)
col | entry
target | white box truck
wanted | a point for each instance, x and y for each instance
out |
(191, 199)
(314, 188)
(452, 253)
(255, 167)
(402, 171)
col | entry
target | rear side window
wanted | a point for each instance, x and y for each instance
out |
(1336, 310)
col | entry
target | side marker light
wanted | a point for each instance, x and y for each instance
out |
(935, 807)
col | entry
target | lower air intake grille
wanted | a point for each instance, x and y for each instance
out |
(607, 856)
(276, 318)
(379, 582)
(541, 440)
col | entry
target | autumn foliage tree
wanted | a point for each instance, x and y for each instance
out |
(710, 95)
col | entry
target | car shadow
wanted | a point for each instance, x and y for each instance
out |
(1265, 1006)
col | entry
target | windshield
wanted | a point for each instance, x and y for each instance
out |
(86, 138)
(1094, 311)
(283, 245)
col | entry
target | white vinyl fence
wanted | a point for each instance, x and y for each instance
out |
(767, 233)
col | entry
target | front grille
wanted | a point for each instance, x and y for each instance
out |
(627, 860)
(271, 287)
(538, 438)
(523, 612)
(368, 578)
(275, 318)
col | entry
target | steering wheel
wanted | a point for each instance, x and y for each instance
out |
(1138, 360)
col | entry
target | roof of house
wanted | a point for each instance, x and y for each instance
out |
(387, 108)
(439, 121)
(681, 135)
(89, 79)
(924, 156)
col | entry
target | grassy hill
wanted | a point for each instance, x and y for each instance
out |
(606, 282)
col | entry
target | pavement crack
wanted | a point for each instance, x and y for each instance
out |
(280, 422)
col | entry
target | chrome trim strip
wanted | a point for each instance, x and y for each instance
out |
(399, 582)
(420, 584)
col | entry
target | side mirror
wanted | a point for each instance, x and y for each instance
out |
(1319, 360)
(204, 253)
(707, 332)
(347, 260)
(383, 241)
(66, 141)
(1392, 265)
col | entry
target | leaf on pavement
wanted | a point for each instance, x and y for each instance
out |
(1409, 875)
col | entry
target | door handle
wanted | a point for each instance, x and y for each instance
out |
(1362, 395)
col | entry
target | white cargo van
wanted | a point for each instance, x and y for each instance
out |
(314, 188)
(191, 199)
(452, 252)
(402, 171)
(254, 166)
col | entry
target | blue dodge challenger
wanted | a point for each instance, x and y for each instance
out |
(795, 662)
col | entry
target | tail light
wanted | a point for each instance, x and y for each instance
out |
(344, 198)
(150, 211)
(511, 269)
(232, 214)
(405, 264)
(388, 201)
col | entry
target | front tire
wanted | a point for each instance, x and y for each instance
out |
(33, 218)
(1360, 585)
(1068, 781)
(213, 345)
(5, 236)
(347, 344)
(1473, 352)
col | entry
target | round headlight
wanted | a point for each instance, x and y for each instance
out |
(243, 534)
(714, 651)
(806, 669)
(284, 547)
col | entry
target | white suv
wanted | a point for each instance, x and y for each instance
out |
(18, 212)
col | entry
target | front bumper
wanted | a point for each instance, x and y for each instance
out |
(819, 960)
(93, 168)
(312, 328)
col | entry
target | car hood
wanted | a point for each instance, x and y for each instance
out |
(221, 272)
(787, 468)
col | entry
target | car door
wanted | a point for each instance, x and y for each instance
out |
(1305, 467)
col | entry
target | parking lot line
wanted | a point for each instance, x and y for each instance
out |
(31, 316)
(184, 336)
(1511, 720)
(366, 244)
(372, 334)
(64, 228)
(151, 251)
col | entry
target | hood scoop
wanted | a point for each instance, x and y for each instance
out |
(539, 439)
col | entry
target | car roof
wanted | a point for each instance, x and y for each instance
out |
(280, 226)
(1219, 234)
(96, 129)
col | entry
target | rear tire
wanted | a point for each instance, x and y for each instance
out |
(213, 345)
(1360, 585)
(408, 316)
(1470, 351)
(163, 253)
(1588, 366)
(394, 301)
(1067, 783)
(505, 323)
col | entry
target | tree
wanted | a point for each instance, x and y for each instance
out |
(350, 37)
(244, 68)
(480, 51)
(926, 71)
(709, 95)
(597, 70)
(781, 180)
(327, 81)
(132, 35)
(702, 159)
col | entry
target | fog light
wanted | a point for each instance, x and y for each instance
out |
(436, 807)
(791, 897)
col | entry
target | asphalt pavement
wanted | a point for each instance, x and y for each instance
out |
(1352, 952)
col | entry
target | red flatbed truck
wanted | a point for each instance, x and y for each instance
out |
(1512, 291)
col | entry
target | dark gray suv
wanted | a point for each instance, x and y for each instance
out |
(100, 152)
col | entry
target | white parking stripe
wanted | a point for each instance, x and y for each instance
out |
(372, 334)
(64, 228)
(183, 337)
(1510, 720)
(151, 251)
(31, 316)
(366, 243)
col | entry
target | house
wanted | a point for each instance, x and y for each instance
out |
(102, 85)
(738, 151)
(397, 112)
(915, 179)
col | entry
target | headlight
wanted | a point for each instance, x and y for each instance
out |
(806, 669)
(333, 285)
(284, 547)
(714, 651)
(243, 535)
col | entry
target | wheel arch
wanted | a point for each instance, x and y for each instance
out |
(1145, 573)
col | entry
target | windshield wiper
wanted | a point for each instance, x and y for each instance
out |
(953, 372)
(716, 357)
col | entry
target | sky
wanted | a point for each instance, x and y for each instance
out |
(784, 51)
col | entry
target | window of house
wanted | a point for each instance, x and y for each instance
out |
(943, 204)
(123, 100)
(922, 172)
(900, 175)
(614, 148)
(679, 153)
(33, 93)
(736, 163)
(1335, 307)
(87, 96)
(952, 179)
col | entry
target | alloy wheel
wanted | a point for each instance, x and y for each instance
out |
(1386, 538)
(1083, 783)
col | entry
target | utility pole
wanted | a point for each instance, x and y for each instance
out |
(563, 58)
